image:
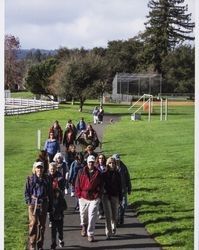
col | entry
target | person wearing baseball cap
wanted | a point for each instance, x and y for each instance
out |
(126, 186)
(88, 188)
(38, 197)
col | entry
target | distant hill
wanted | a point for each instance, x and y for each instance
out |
(22, 53)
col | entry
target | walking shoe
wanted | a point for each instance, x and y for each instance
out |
(61, 243)
(91, 238)
(50, 224)
(53, 246)
(101, 217)
(83, 231)
(77, 208)
(72, 194)
(66, 191)
(108, 237)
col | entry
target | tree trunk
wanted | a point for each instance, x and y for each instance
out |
(81, 104)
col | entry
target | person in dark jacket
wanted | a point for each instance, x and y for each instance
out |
(57, 215)
(57, 182)
(76, 165)
(38, 197)
(100, 115)
(57, 131)
(89, 151)
(88, 188)
(101, 165)
(69, 134)
(112, 195)
(81, 125)
(62, 167)
(126, 187)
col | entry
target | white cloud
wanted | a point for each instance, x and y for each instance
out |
(50, 24)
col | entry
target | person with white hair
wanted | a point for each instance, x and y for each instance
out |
(57, 182)
(38, 197)
(62, 167)
(88, 188)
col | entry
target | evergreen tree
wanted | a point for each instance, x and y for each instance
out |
(168, 25)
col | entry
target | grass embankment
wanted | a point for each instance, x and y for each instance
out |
(159, 156)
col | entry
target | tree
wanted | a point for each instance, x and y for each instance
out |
(38, 78)
(168, 26)
(80, 72)
(122, 55)
(179, 70)
(12, 72)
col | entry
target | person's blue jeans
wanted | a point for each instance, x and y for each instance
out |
(122, 208)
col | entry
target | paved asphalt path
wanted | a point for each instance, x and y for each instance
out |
(131, 235)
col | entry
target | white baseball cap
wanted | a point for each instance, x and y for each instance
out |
(38, 163)
(116, 157)
(91, 158)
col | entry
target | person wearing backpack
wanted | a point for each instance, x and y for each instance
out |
(38, 197)
(57, 216)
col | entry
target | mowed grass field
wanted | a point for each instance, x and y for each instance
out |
(159, 155)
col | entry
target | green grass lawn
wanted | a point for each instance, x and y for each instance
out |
(160, 157)
(23, 95)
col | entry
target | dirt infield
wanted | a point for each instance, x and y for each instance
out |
(172, 103)
(183, 103)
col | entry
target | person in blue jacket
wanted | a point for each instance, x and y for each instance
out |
(38, 197)
(51, 146)
(81, 125)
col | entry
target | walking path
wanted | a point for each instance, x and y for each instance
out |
(131, 235)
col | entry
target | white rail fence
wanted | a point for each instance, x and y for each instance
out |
(17, 106)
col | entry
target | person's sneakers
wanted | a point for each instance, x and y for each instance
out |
(61, 243)
(91, 238)
(77, 208)
(53, 246)
(66, 191)
(83, 231)
(101, 217)
(108, 237)
(72, 194)
(50, 224)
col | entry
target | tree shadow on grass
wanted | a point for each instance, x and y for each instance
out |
(138, 204)
(170, 231)
(144, 189)
(167, 219)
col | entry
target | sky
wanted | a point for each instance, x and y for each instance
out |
(51, 24)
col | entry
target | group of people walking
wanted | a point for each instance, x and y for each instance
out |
(99, 184)
(98, 114)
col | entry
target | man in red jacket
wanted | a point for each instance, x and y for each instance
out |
(88, 188)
